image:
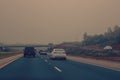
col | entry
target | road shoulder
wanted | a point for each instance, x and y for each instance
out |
(103, 63)
(8, 60)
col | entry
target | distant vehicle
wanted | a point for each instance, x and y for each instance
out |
(58, 54)
(108, 47)
(29, 52)
(42, 52)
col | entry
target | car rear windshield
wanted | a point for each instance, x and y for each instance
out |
(59, 50)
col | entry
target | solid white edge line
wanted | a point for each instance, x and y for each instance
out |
(58, 69)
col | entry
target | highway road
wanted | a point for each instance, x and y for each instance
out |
(42, 68)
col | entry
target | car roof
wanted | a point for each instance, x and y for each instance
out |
(29, 47)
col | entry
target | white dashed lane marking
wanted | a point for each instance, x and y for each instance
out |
(46, 61)
(58, 69)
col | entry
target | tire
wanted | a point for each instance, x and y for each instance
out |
(24, 55)
(34, 56)
(52, 58)
(64, 58)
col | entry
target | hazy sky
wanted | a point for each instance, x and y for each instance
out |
(44, 21)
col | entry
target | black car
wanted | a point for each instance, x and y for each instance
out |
(29, 52)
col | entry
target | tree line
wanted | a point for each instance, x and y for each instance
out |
(111, 37)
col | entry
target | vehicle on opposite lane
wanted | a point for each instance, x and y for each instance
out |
(58, 54)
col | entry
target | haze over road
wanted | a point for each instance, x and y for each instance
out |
(44, 21)
(42, 68)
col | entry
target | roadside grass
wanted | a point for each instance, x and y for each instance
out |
(8, 54)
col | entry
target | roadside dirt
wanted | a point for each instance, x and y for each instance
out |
(97, 62)
(8, 60)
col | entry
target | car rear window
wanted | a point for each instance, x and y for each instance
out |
(59, 50)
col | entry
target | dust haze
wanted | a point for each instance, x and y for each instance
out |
(56, 21)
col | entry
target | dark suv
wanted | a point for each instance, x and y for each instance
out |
(29, 51)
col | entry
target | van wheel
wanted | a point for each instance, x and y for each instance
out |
(52, 58)
(24, 55)
(33, 55)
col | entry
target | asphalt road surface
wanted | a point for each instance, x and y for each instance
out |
(42, 68)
